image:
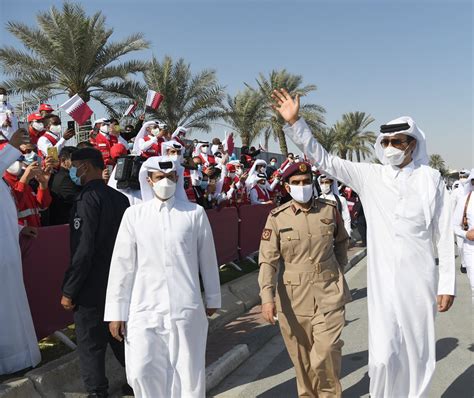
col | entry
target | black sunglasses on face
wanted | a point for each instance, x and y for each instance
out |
(395, 142)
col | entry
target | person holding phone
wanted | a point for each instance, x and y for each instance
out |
(52, 137)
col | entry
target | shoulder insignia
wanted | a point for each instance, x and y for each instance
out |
(279, 209)
(327, 202)
(267, 233)
(77, 223)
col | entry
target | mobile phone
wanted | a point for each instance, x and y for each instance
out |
(110, 168)
(71, 125)
(53, 153)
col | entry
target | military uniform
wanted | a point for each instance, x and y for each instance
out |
(306, 251)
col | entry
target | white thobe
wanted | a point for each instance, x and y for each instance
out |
(457, 196)
(346, 215)
(160, 251)
(7, 112)
(44, 143)
(18, 344)
(408, 217)
(467, 245)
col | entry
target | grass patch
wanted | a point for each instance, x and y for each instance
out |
(229, 273)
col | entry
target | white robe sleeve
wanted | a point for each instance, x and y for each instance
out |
(350, 173)
(346, 215)
(144, 145)
(457, 218)
(208, 266)
(44, 144)
(122, 272)
(443, 239)
(7, 156)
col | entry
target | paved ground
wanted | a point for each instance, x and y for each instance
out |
(269, 373)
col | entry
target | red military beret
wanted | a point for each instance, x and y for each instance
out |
(295, 169)
(34, 116)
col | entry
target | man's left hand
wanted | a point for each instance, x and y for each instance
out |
(445, 301)
(67, 304)
(211, 311)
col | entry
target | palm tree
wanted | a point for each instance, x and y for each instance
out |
(438, 163)
(352, 138)
(293, 84)
(71, 52)
(246, 112)
(326, 138)
(191, 100)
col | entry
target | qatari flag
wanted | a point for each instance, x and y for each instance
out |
(130, 109)
(229, 143)
(153, 99)
(77, 109)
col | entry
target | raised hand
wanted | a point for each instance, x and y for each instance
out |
(286, 106)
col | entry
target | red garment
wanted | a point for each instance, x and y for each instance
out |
(262, 195)
(228, 182)
(28, 203)
(155, 149)
(103, 144)
(3, 143)
(210, 159)
(35, 135)
(189, 184)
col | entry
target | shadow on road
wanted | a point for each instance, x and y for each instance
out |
(358, 294)
(359, 389)
(354, 361)
(462, 386)
(445, 346)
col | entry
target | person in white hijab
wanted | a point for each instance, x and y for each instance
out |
(330, 192)
(18, 344)
(409, 217)
(463, 223)
(153, 296)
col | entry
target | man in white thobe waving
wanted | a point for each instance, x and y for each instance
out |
(153, 297)
(408, 216)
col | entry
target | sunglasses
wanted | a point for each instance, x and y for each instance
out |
(395, 142)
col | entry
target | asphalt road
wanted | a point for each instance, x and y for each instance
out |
(270, 374)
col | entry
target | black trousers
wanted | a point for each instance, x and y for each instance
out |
(93, 335)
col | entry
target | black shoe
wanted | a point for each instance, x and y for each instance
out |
(127, 390)
(463, 270)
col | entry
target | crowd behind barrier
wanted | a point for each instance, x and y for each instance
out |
(46, 258)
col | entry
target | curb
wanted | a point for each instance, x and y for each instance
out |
(355, 259)
(226, 364)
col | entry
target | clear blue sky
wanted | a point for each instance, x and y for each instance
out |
(386, 58)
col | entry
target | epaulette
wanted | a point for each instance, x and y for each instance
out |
(279, 209)
(327, 202)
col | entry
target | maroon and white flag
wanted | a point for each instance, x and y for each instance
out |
(77, 109)
(229, 143)
(131, 109)
(153, 99)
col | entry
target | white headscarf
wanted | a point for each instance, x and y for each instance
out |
(153, 164)
(468, 187)
(334, 189)
(197, 149)
(252, 178)
(420, 154)
(179, 129)
(141, 134)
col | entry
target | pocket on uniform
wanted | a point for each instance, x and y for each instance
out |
(327, 231)
(288, 241)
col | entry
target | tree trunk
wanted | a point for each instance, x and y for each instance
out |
(245, 138)
(282, 140)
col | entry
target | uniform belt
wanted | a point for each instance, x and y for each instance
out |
(312, 266)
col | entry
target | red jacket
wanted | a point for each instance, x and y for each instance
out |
(28, 203)
(103, 144)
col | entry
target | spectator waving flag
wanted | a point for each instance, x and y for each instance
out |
(131, 109)
(77, 109)
(153, 99)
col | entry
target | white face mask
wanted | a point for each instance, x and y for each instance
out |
(394, 156)
(239, 172)
(463, 180)
(15, 168)
(56, 129)
(104, 129)
(301, 193)
(325, 188)
(155, 132)
(164, 189)
(38, 126)
(205, 149)
(232, 175)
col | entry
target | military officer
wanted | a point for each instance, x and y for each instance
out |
(304, 247)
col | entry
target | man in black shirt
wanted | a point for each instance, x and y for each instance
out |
(95, 218)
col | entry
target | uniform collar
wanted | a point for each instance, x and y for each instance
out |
(296, 209)
(168, 204)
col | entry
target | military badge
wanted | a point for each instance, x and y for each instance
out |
(303, 168)
(326, 221)
(267, 233)
(77, 223)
